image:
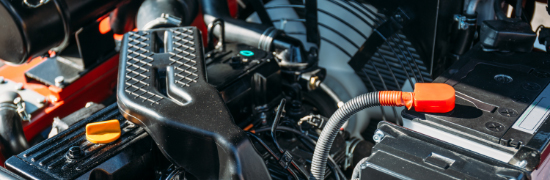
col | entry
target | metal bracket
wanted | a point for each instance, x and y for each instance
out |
(21, 109)
(91, 49)
(30, 102)
(464, 22)
(285, 160)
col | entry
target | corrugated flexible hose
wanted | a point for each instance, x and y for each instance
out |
(330, 131)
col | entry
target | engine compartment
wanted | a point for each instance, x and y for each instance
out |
(276, 89)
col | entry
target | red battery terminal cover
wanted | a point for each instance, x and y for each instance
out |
(427, 97)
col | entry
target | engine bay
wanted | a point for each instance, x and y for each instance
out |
(274, 89)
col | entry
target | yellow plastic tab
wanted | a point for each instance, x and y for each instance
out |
(103, 132)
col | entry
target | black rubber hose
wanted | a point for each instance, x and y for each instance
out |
(235, 30)
(497, 5)
(519, 9)
(500, 13)
(123, 18)
(150, 13)
(289, 50)
(322, 149)
(12, 137)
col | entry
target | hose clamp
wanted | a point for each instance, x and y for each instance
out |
(464, 22)
(21, 109)
(267, 38)
(42, 2)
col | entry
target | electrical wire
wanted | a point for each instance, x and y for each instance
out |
(261, 142)
(278, 114)
(331, 163)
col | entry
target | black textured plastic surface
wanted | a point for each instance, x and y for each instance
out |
(49, 159)
(507, 35)
(163, 88)
(488, 107)
(405, 154)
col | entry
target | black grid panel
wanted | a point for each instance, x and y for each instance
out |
(393, 63)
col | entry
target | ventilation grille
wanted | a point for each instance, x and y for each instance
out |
(393, 63)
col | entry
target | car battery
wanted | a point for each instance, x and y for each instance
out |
(502, 108)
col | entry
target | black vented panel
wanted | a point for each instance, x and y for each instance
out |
(393, 63)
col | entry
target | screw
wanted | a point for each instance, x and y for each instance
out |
(75, 152)
(507, 112)
(41, 100)
(494, 126)
(521, 164)
(19, 86)
(88, 104)
(503, 78)
(378, 136)
(59, 80)
(531, 86)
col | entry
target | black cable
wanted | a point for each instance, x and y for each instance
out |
(519, 8)
(270, 152)
(332, 165)
(278, 114)
(497, 5)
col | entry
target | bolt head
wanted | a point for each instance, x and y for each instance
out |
(59, 80)
(19, 86)
(74, 152)
(378, 136)
(41, 100)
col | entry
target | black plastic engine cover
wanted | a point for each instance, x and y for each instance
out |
(189, 120)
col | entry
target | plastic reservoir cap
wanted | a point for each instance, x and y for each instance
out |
(434, 97)
(103, 132)
(246, 53)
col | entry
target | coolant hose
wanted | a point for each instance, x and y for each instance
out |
(427, 97)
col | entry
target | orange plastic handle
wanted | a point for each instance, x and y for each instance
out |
(103, 132)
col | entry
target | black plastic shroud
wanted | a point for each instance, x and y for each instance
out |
(189, 121)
